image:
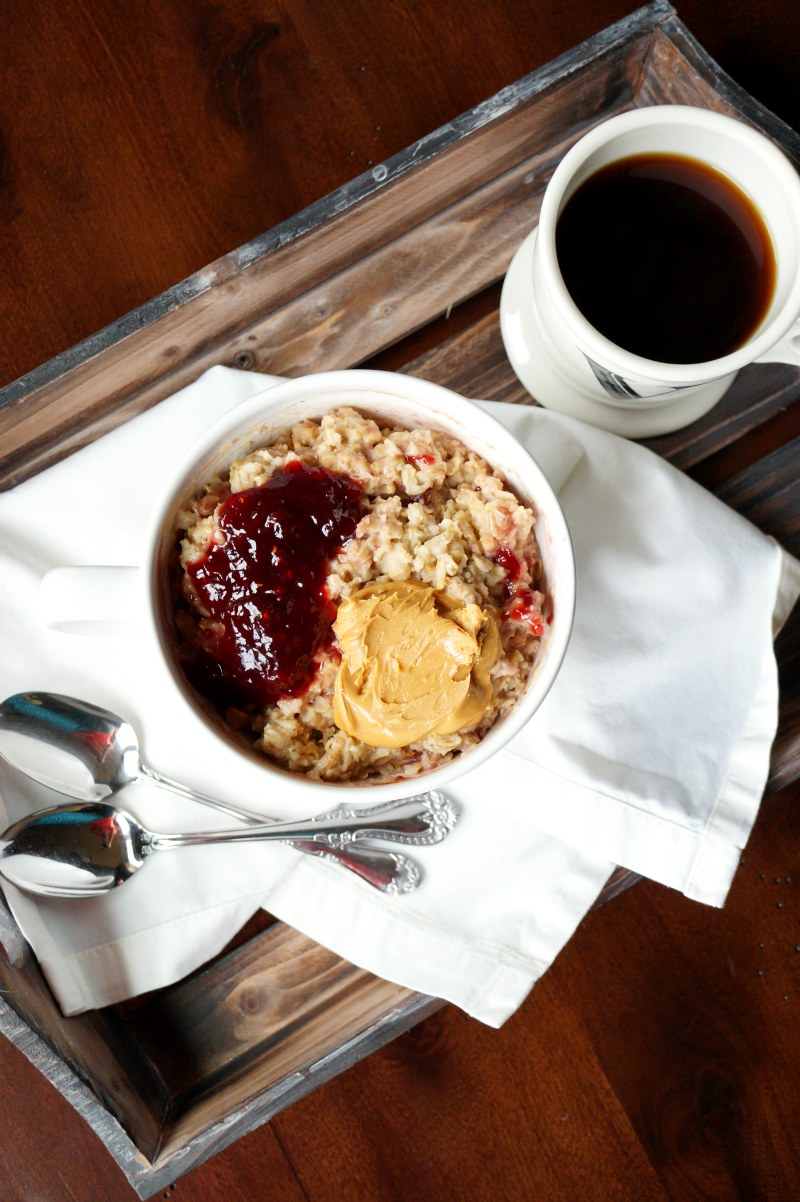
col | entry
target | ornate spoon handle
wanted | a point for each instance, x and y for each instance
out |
(388, 871)
(418, 821)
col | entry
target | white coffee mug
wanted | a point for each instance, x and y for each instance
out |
(565, 363)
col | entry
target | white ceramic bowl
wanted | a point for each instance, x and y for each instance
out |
(393, 400)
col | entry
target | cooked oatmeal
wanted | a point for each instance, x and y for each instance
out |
(413, 506)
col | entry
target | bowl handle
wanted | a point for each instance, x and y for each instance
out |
(90, 600)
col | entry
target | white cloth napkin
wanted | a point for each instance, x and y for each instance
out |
(651, 750)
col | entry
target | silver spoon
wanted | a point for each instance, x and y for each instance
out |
(88, 848)
(90, 753)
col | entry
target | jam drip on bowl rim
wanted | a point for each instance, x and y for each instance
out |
(263, 587)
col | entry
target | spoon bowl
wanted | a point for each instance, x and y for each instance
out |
(90, 753)
(70, 746)
(73, 851)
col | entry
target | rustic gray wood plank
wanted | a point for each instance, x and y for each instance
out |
(96, 1046)
(278, 1000)
(758, 393)
(166, 344)
(149, 1179)
(680, 71)
(785, 761)
(379, 179)
(768, 493)
(59, 1074)
(474, 363)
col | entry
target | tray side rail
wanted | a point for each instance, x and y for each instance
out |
(235, 1044)
(290, 276)
(679, 70)
(104, 1067)
(377, 259)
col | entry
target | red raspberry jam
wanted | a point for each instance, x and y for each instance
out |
(508, 560)
(264, 586)
(521, 605)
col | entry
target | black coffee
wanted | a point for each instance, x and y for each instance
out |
(667, 258)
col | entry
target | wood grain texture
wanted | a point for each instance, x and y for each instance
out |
(209, 1082)
(474, 363)
(344, 278)
(701, 1048)
(673, 1010)
(95, 1046)
(256, 999)
(263, 1014)
(382, 255)
(140, 146)
(213, 1057)
(135, 146)
(420, 1119)
(651, 1062)
(768, 493)
(48, 1151)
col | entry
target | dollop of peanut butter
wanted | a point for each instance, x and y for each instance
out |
(414, 662)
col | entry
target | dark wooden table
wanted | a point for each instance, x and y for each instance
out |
(660, 1056)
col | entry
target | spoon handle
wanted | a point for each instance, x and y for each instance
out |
(414, 820)
(155, 778)
(388, 871)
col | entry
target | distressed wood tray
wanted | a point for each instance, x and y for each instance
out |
(364, 275)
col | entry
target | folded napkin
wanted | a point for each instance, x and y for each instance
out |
(651, 750)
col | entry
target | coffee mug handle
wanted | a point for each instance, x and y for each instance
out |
(785, 351)
(91, 601)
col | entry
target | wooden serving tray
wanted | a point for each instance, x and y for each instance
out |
(168, 1080)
